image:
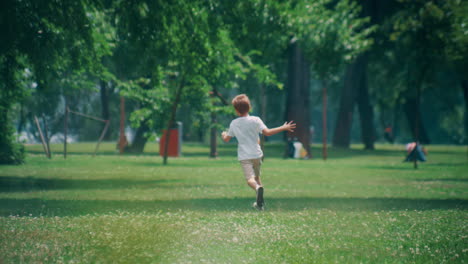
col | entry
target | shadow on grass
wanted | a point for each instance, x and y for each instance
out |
(388, 167)
(182, 163)
(25, 184)
(444, 180)
(447, 164)
(274, 150)
(408, 166)
(59, 154)
(37, 207)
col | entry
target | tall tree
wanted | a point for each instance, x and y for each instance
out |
(456, 51)
(424, 34)
(297, 94)
(465, 118)
(366, 110)
(104, 36)
(105, 98)
(334, 34)
(41, 36)
(355, 89)
(353, 78)
(266, 49)
(186, 57)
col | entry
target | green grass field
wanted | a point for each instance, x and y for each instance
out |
(356, 207)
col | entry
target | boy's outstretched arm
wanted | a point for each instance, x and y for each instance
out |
(287, 126)
(225, 136)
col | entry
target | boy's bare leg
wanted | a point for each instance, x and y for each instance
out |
(252, 183)
(259, 182)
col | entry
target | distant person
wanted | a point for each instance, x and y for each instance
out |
(388, 134)
(415, 152)
(246, 129)
(312, 132)
(297, 148)
(410, 147)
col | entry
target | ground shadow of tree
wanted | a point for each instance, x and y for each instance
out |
(27, 184)
(38, 207)
(273, 150)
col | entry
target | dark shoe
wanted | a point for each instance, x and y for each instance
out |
(260, 201)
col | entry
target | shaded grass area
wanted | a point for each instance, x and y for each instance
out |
(51, 208)
(275, 149)
(357, 207)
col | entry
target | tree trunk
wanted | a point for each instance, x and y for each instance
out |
(105, 105)
(214, 132)
(65, 128)
(46, 135)
(122, 138)
(175, 104)
(413, 115)
(201, 134)
(139, 140)
(214, 122)
(263, 107)
(344, 121)
(355, 90)
(21, 121)
(366, 112)
(297, 98)
(465, 95)
(324, 120)
(412, 107)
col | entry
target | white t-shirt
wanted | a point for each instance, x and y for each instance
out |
(246, 130)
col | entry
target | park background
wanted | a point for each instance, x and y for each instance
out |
(345, 71)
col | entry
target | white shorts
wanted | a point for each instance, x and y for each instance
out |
(251, 168)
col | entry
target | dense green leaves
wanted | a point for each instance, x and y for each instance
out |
(53, 40)
(185, 41)
(422, 44)
(332, 36)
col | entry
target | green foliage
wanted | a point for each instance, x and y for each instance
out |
(431, 32)
(11, 152)
(50, 40)
(421, 22)
(421, 44)
(332, 36)
(198, 53)
(457, 38)
(263, 49)
(10, 91)
(153, 98)
(457, 134)
(46, 34)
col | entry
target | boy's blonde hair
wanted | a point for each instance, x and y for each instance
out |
(241, 103)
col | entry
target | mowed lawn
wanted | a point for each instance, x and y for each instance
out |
(356, 207)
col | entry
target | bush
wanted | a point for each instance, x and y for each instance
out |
(10, 151)
(12, 154)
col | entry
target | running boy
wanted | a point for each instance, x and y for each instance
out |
(246, 129)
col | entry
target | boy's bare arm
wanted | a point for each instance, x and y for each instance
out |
(225, 136)
(287, 126)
